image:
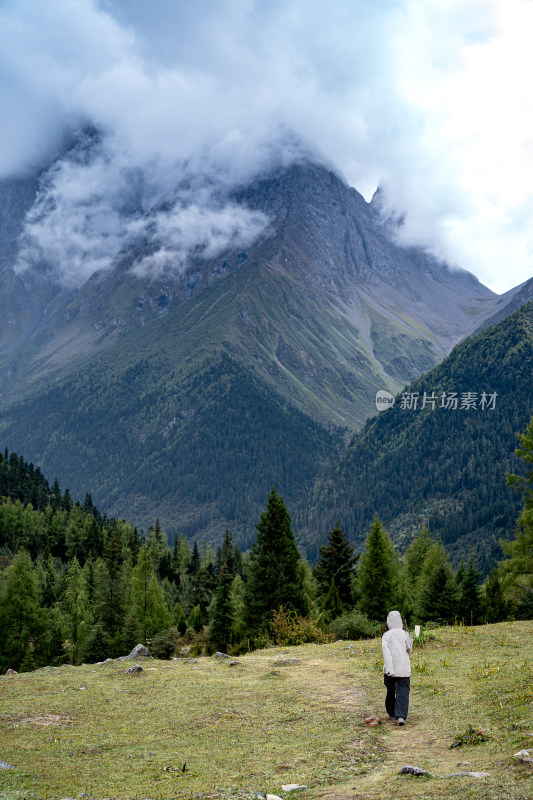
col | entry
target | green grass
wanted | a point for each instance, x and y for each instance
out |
(96, 732)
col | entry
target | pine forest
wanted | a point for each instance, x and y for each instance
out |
(76, 586)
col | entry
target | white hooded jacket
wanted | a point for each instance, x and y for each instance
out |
(396, 644)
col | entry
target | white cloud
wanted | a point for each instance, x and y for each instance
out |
(93, 206)
(429, 99)
(201, 230)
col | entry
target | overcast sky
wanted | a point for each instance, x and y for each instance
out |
(430, 99)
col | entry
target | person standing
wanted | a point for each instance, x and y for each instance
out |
(397, 644)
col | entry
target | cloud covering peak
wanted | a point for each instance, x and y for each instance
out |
(428, 100)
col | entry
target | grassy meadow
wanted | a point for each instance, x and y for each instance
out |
(193, 728)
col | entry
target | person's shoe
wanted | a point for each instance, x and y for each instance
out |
(401, 721)
(389, 716)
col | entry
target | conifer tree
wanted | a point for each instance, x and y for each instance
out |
(415, 555)
(378, 573)
(436, 587)
(517, 568)
(56, 523)
(76, 611)
(238, 561)
(238, 609)
(88, 505)
(56, 494)
(336, 563)
(66, 501)
(76, 535)
(468, 594)
(494, 605)
(109, 601)
(147, 600)
(21, 619)
(156, 546)
(226, 554)
(203, 587)
(94, 536)
(97, 645)
(222, 618)
(133, 542)
(273, 568)
(49, 582)
(181, 557)
(333, 606)
(110, 590)
(194, 563)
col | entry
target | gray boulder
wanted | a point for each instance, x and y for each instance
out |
(409, 770)
(139, 650)
(135, 669)
(5, 765)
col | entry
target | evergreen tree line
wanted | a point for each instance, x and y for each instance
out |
(78, 587)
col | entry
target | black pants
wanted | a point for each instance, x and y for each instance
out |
(397, 699)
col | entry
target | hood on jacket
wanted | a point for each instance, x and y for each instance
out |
(394, 620)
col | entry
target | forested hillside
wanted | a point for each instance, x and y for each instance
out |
(22, 481)
(78, 587)
(202, 448)
(443, 466)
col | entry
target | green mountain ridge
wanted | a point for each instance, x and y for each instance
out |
(191, 435)
(441, 467)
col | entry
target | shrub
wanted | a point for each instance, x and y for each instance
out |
(287, 628)
(165, 644)
(354, 625)
(97, 645)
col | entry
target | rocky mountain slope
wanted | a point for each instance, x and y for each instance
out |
(396, 311)
(508, 303)
(189, 392)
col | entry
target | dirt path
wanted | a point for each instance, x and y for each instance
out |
(419, 743)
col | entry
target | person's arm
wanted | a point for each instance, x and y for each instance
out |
(387, 655)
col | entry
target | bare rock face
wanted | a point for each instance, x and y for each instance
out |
(135, 669)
